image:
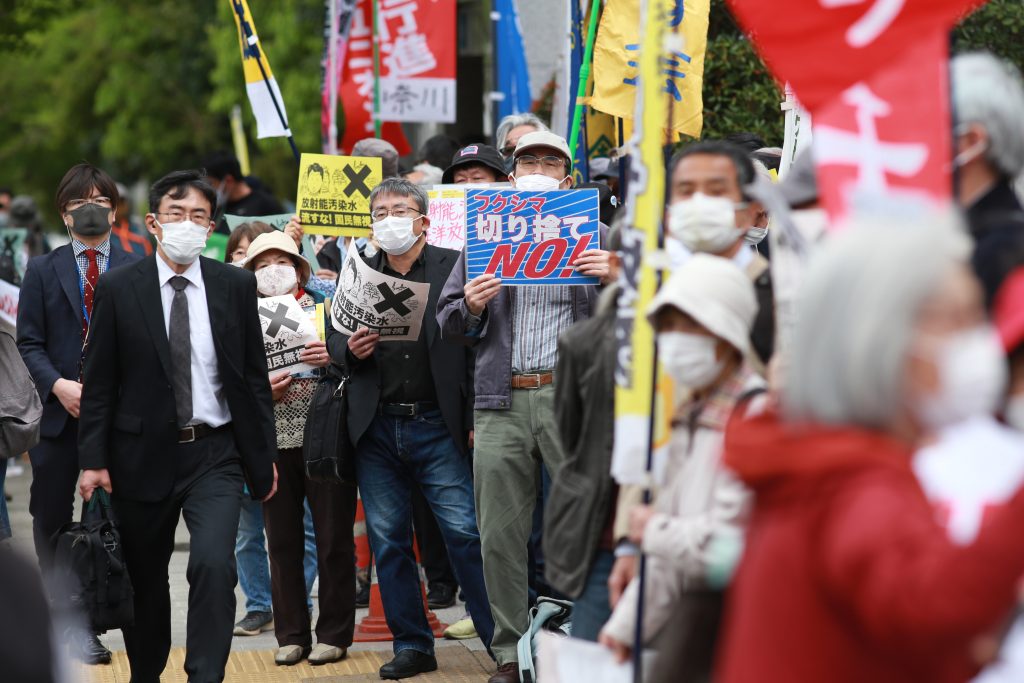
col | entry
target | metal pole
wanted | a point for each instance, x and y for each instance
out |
(332, 83)
(376, 71)
(581, 91)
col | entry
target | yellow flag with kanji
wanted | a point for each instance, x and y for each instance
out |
(260, 85)
(636, 400)
(679, 66)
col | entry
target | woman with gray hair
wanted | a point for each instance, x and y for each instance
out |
(513, 127)
(846, 575)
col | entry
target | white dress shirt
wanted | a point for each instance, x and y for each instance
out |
(208, 402)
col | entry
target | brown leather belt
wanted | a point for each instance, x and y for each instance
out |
(532, 380)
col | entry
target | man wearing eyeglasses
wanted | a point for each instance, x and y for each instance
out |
(53, 327)
(177, 417)
(409, 419)
(515, 332)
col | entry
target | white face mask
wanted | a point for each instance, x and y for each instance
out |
(755, 235)
(689, 359)
(183, 242)
(538, 182)
(276, 280)
(972, 377)
(395, 235)
(704, 223)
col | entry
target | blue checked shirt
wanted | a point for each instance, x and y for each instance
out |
(102, 259)
(539, 316)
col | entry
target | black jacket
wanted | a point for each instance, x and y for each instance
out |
(128, 418)
(582, 495)
(996, 221)
(451, 365)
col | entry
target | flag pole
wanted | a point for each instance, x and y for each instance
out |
(254, 50)
(581, 91)
(376, 72)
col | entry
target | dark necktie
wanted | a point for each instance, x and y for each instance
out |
(92, 275)
(181, 351)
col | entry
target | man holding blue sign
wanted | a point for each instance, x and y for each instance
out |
(547, 243)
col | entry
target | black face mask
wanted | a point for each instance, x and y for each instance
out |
(90, 220)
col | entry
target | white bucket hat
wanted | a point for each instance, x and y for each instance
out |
(716, 293)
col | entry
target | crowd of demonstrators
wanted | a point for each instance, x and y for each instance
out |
(868, 488)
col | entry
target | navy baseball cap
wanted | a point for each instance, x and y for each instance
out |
(476, 154)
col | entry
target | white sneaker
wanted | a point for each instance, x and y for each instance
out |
(325, 654)
(288, 655)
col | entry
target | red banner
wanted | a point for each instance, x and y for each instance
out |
(357, 86)
(822, 47)
(417, 67)
(888, 135)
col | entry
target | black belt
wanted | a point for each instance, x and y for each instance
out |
(196, 432)
(407, 409)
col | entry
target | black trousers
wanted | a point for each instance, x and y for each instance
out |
(433, 551)
(208, 494)
(52, 495)
(333, 507)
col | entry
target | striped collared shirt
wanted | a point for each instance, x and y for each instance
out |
(539, 315)
(102, 258)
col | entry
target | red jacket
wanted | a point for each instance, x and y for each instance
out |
(846, 575)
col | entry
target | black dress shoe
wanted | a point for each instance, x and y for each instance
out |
(441, 595)
(87, 648)
(362, 594)
(407, 664)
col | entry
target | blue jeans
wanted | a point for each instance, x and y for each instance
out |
(251, 556)
(395, 455)
(591, 610)
(5, 520)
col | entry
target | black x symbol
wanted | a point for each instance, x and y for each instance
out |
(392, 300)
(8, 247)
(357, 181)
(277, 319)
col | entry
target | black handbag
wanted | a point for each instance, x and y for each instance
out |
(327, 451)
(92, 577)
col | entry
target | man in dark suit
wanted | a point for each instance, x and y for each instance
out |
(176, 417)
(53, 319)
(409, 410)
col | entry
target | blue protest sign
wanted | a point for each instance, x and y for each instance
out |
(530, 238)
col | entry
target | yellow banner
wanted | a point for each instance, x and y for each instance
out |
(679, 62)
(334, 194)
(635, 399)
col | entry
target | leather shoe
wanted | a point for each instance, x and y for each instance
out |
(407, 664)
(441, 596)
(506, 673)
(86, 647)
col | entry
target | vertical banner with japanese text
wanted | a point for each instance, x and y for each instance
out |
(357, 85)
(679, 66)
(260, 85)
(635, 363)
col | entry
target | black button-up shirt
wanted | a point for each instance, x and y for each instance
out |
(405, 365)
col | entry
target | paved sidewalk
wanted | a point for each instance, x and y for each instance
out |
(21, 524)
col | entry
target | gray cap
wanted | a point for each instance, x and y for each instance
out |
(800, 186)
(382, 149)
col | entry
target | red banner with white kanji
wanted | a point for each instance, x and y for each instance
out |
(417, 67)
(823, 47)
(888, 135)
